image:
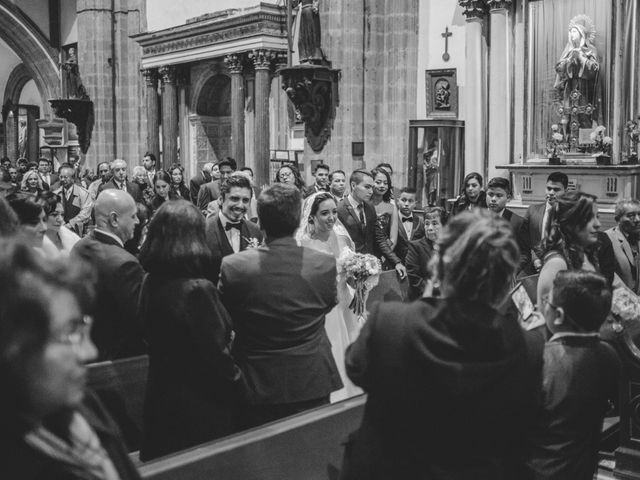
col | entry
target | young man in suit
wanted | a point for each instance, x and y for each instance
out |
(198, 180)
(119, 181)
(625, 239)
(149, 164)
(411, 225)
(321, 174)
(278, 296)
(115, 332)
(535, 221)
(228, 232)
(44, 170)
(337, 184)
(356, 213)
(210, 191)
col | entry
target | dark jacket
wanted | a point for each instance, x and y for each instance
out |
(20, 461)
(193, 381)
(417, 233)
(461, 203)
(208, 193)
(450, 386)
(195, 183)
(116, 330)
(417, 262)
(530, 236)
(363, 236)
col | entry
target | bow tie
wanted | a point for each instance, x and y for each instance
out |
(230, 225)
(407, 219)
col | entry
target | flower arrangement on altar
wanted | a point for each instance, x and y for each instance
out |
(632, 128)
(601, 143)
(556, 145)
(361, 271)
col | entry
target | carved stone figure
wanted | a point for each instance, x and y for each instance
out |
(75, 89)
(309, 49)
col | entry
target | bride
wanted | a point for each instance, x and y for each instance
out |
(321, 230)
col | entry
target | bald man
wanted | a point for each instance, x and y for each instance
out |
(119, 181)
(115, 332)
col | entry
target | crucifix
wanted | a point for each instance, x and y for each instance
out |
(446, 35)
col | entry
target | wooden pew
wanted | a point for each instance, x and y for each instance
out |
(307, 446)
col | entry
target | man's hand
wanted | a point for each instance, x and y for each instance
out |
(402, 271)
(537, 264)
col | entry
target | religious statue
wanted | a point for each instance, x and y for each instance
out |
(430, 167)
(309, 49)
(75, 89)
(443, 92)
(576, 82)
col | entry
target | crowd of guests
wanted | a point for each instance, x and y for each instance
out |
(236, 297)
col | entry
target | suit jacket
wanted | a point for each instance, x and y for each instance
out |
(416, 233)
(363, 236)
(311, 189)
(116, 330)
(278, 296)
(77, 211)
(208, 193)
(219, 242)
(53, 180)
(530, 236)
(195, 183)
(419, 253)
(450, 385)
(626, 266)
(132, 189)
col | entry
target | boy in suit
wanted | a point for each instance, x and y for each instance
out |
(411, 225)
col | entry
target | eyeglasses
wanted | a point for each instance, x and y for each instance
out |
(286, 174)
(78, 332)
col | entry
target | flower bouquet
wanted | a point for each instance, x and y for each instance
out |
(602, 145)
(362, 272)
(632, 128)
(625, 307)
(555, 147)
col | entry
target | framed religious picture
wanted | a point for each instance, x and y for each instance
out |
(442, 93)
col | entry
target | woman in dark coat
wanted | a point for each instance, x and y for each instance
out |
(472, 195)
(193, 382)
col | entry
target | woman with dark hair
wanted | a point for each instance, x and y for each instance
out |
(178, 188)
(50, 426)
(161, 189)
(387, 221)
(291, 175)
(31, 218)
(448, 379)
(193, 382)
(58, 240)
(31, 183)
(570, 239)
(472, 195)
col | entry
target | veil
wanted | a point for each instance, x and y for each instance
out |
(305, 231)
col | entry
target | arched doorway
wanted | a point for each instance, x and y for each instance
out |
(210, 126)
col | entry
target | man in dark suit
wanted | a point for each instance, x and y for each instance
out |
(115, 332)
(119, 181)
(211, 191)
(356, 213)
(411, 226)
(278, 296)
(420, 251)
(198, 180)
(228, 232)
(625, 240)
(44, 170)
(321, 174)
(535, 221)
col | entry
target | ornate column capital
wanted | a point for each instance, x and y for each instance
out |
(280, 59)
(499, 4)
(150, 76)
(474, 8)
(262, 59)
(234, 63)
(167, 74)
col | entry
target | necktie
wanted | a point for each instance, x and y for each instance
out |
(545, 221)
(361, 213)
(407, 219)
(230, 225)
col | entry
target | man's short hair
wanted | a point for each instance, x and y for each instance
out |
(150, 155)
(43, 159)
(100, 164)
(357, 176)
(235, 180)
(500, 182)
(32, 165)
(623, 205)
(337, 171)
(65, 165)
(321, 166)
(559, 177)
(228, 162)
(584, 296)
(117, 160)
(409, 190)
(279, 209)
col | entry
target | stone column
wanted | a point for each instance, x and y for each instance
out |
(169, 116)
(500, 68)
(234, 64)
(152, 111)
(475, 136)
(262, 63)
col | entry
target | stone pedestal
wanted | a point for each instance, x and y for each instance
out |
(152, 111)
(262, 62)
(234, 64)
(169, 116)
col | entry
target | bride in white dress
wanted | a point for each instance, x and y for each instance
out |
(321, 230)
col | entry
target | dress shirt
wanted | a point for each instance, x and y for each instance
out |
(67, 193)
(233, 234)
(150, 175)
(407, 223)
(359, 208)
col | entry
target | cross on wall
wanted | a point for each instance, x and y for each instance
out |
(446, 35)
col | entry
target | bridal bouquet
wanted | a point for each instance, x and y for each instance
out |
(625, 307)
(361, 271)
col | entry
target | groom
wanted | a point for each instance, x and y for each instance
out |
(227, 231)
(278, 296)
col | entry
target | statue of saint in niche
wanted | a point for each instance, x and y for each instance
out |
(443, 92)
(577, 73)
(309, 49)
(75, 89)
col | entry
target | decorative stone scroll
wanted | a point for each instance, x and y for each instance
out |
(474, 8)
(499, 4)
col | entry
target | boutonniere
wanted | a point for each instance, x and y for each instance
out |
(252, 242)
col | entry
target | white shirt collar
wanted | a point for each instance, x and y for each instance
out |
(353, 201)
(109, 234)
(560, 335)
